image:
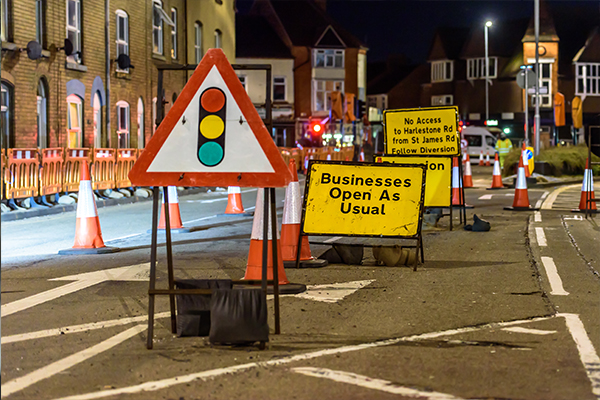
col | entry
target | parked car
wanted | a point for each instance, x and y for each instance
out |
(478, 139)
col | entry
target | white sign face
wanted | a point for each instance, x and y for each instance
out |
(179, 152)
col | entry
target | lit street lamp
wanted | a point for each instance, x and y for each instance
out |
(487, 70)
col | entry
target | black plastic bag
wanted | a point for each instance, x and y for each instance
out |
(193, 310)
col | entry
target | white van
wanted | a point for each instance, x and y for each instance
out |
(478, 139)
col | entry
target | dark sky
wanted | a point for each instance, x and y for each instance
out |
(407, 26)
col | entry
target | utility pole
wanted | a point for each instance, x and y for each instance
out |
(536, 119)
(107, 88)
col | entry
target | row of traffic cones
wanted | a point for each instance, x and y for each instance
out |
(485, 162)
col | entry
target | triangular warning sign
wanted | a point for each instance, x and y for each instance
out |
(212, 136)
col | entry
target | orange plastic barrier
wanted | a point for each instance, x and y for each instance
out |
(125, 160)
(2, 168)
(51, 172)
(103, 169)
(72, 167)
(21, 175)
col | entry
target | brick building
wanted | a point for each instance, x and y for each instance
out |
(86, 99)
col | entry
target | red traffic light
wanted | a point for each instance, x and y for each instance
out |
(316, 128)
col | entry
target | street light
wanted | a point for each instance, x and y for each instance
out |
(487, 69)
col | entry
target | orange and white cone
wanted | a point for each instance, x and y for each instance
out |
(496, 175)
(464, 158)
(468, 178)
(521, 200)
(457, 198)
(525, 160)
(88, 235)
(587, 191)
(362, 156)
(174, 214)
(255, 254)
(481, 162)
(487, 159)
(290, 227)
(235, 208)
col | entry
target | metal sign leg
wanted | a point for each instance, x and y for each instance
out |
(275, 261)
(152, 284)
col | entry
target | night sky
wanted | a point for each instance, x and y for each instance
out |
(407, 26)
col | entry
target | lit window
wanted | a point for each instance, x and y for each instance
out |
(328, 58)
(588, 79)
(441, 71)
(279, 88)
(174, 33)
(74, 118)
(123, 124)
(40, 22)
(122, 36)
(545, 82)
(476, 68)
(322, 92)
(443, 100)
(198, 41)
(74, 29)
(243, 81)
(218, 39)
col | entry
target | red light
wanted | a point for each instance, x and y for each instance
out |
(316, 127)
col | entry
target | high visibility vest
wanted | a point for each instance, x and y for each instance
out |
(503, 147)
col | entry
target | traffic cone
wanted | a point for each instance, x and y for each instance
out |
(362, 156)
(174, 214)
(234, 204)
(464, 158)
(255, 254)
(487, 159)
(521, 200)
(290, 228)
(587, 191)
(525, 160)
(468, 178)
(496, 175)
(481, 162)
(88, 236)
(457, 199)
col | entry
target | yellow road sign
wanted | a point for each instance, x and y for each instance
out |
(530, 159)
(429, 131)
(364, 199)
(438, 184)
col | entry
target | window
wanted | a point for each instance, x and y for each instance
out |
(322, 91)
(441, 71)
(218, 39)
(545, 83)
(122, 36)
(588, 79)
(140, 124)
(279, 88)
(328, 58)
(97, 120)
(154, 114)
(74, 29)
(5, 28)
(159, 17)
(476, 68)
(443, 100)
(243, 81)
(74, 118)
(198, 42)
(490, 141)
(42, 115)
(6, 114)
(174, 33)
(123, 124)
(474, 140)
(40, 22)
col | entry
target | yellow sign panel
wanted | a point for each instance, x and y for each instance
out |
(431, 131)
(364, 199)
(438, 184)
(530, 159)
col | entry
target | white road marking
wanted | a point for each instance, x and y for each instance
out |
(510, 194)
(199, 219)
(546, 193)
(547, 205)
(537, 216)
(541, 237)
(333, 239)
(330, 293)
(519, 329)
(371, 383)
(210, 374)
(538, 204)
(486, 197)
(57, 367)
(79, 328)
(553, 277)
(587, 353)
(573, 218)
(130, 273)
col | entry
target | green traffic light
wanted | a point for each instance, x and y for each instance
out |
(210, 154)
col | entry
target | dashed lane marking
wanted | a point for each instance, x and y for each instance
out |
(537, 216)
(333, 239)
(372, 383)
(587, 353)
(486, 197)
(553, 277)
(541, 237)
(330, 293)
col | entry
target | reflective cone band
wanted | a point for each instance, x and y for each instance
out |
(234, 200)
(587, 189)
(521, 200)
(87, 229)
(362, 156)
(464, 158)
(481, 162)
(525, 160)
(487, 159)
(457, 199)
(254, 265)
(290, 224)
(497, 175)
(468, 178)
(174, 215)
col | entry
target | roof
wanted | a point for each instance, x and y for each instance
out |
(255, 38)
(590, 52)
(447, 43)
(546, 30)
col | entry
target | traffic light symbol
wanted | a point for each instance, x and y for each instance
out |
(211, 127)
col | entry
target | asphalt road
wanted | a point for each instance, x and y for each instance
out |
(506, 314)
